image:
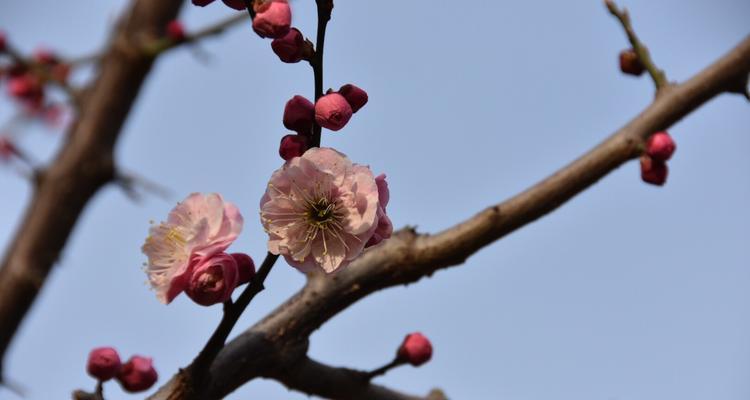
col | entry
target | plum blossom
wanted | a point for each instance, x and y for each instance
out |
(197, 228)
(320, 210)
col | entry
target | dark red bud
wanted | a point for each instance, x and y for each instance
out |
(245, 267)
(653, 171)
(176, 31)
(103, 363)
(416, 349)
(356, 97)
(660, 146)
(629, 63)
(299, 114)
(293, 146)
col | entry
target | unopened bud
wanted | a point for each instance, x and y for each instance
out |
(175, 31)
(355, 96)
(416, 349)
(299, 114)
(292, 47)
(660, 146)
(138, 374)
(293, 146)
(245, 267)
(103, 363)
(630, 63)
(274, 20)
(213, 279)
(332, 111)
(653, 171)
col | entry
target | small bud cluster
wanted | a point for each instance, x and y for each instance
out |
(659, 149)
(135, 375)
(26, 80)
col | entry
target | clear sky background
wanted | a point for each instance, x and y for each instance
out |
(629, 291)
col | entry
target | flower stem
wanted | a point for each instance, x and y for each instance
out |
(324, 15)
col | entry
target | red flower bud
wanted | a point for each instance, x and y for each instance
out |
(104, 363)
(299, 114)
(629, 63)
(7, 149)
(213, 279)
(138, 374)
(292, 47)
(416, 349)
(3, 42)
(24, 86)
(245, 267)
(175, 31)
(332, 111)
(274, 20)
(356, 97)
(292, 146)
(660, 146)
(653, 171)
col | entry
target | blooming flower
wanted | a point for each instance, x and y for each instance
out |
(320, 210)
(199, 227)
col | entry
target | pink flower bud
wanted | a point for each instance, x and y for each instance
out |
(416, 349)
(292, 47)
(292, 146)
(104, 363)
(245, 267)
(7, 149)
(332, 111)
(629, 63)
(274, 19)
(23, 86)
(213, 279)
(175, 31)
(660, 146)
(653, 171)
(356, 97)
(138, 374)
(299, 114)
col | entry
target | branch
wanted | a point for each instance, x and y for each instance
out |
(657, 75)
(84, 164)
(311, 377)
(279, 341)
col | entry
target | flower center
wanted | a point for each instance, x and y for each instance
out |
(321, 213)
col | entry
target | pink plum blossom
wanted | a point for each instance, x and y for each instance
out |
(197, 228)
(320, 210)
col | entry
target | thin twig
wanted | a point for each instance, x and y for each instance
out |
(324, 15)
(385, 368)
(232, 313)
(657, 75)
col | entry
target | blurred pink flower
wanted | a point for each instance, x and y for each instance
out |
(200, 226)
(320, 210)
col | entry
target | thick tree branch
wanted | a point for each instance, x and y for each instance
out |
(279, 342)
(84, 164)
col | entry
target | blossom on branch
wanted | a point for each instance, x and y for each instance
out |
(199, 227)
(320, 210)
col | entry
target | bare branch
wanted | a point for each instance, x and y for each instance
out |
(279, 342)
(84, 164)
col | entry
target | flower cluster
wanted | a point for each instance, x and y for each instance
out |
(659, 149)
(186, 253)
(135, 375)
(321, 210)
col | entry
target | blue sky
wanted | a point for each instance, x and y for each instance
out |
(629, 291)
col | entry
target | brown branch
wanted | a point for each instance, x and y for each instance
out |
(657, 75)
(82, 167)
(279, 342)
(311, 377)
